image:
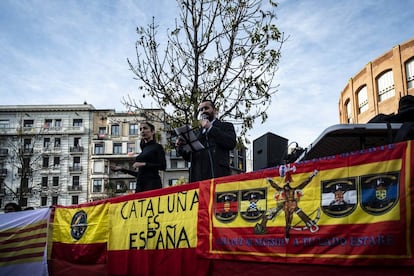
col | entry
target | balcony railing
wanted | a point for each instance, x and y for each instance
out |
(75, 169)
(76, 149)
(75, 188)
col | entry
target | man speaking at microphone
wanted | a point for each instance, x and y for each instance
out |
(218, 138)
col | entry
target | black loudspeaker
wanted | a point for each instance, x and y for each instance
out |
(269, 150)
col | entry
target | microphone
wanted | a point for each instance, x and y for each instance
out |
(204, 117)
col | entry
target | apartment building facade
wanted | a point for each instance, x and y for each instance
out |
(378, 87)
(61, 154)
(44, 154)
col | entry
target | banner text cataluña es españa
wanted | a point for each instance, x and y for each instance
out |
(157, 234)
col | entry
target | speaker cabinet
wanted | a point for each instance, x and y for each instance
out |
(269, 150)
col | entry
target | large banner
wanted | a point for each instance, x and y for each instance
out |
(155, 233)
(349, 213)
(350, 209)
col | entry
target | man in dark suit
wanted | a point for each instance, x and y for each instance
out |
(218, 138)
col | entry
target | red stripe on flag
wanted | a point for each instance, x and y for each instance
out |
(93, 253)
(23, 229)
(23, 247)
(23, 256)
(24, 239)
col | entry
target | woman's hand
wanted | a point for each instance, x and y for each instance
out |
(115, 168)
(137, 165)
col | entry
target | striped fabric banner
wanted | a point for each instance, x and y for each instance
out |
(23, 242)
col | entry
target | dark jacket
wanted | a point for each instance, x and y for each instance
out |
(214, 160)
(148, 177)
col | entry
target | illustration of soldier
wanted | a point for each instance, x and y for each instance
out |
(339, 192)
(287, 199)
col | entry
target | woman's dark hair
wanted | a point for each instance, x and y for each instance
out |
(152, 128)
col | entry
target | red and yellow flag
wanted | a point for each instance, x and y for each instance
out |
(80, 238)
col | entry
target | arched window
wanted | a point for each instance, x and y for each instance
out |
(362, 99)
(348, 108)
(409, 70)
(385, 84)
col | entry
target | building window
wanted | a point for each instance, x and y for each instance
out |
(178, 164)
(44, 181)
(45, 162)
(97, 185)
(28, 123)
(132, 185)
(43, 201)
(77, 141)
(409, 70)
(385, 84)
(58, 123)
(115, 130)
(27, 144)
(75, 199)
(173, 181)
(56, 161)
(46, 142)
(77, 122)
(4, 124)
(75, 180)
(54, 200)
(102, 132)
(56, 181)
(99, 149)
(47, 124)
(76, 163)
(57, 142)
(362, 99)
(348, 109)
(133, 129)
(117, 148)
(131, 148)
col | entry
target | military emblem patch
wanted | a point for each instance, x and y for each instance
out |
(253, 204)
(78, 225)
(379, 192)
(226, 206)
(339, 197)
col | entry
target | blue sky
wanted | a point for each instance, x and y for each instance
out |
(68, 52)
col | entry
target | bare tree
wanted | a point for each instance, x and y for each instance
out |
(224, 50)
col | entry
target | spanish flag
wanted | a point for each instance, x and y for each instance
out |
(23, 239)
(80, 236)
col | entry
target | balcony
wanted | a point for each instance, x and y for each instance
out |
(75, 169)
(26, 151)
(74, 188)
(26, 172)
(77, 149)
(24, 190)
(101, 136)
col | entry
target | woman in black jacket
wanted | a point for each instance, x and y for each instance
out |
(149, 162)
